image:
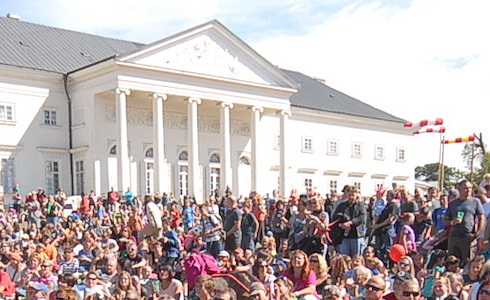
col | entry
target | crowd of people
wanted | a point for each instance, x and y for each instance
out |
(393, 245)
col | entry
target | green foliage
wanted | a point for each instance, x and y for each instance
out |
(430, 172)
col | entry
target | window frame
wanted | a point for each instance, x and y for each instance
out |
(331, 142)
(307, 144)
(376, 156)
(4, 116)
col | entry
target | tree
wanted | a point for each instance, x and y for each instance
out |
(477, 153)
(430, 172)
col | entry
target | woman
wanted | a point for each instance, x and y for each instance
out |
(262, 270)
(484, 275)
(457, 286)
(473, 272)
(442, 289)
(406, 233)
(124, 285)
(278, 224)
(205, 287)
(303, 278)
(126, 236)
(319, 266)
(339, 268)
(284, 289)
(211, 231)
(404, 265)
(169, 285)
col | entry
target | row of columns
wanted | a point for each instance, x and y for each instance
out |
(193, 144)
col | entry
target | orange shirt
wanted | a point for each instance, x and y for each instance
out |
(135, 223)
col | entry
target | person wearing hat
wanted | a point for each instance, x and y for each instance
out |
(224, 260)
(38, 291)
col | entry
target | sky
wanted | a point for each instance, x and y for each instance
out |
(419, 59)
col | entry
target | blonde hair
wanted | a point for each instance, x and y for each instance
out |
(322, 263)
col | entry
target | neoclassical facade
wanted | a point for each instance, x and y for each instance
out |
(188, 114)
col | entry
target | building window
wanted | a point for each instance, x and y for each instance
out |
(379, 152)
(6, 112)
(400, 154)
(49, 117)
(8, 174)
(113, 150)
(52, 175)
(333, 187)
(79, 174)
(357, 185)
(333, 147)
(307, 144)
(357, 150)
(149, 171)
(308, 183)
(214, 171)
(184, 180)
(277, 141)
(244, 161)
(149, 153)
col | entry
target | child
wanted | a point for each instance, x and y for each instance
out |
(435, 268)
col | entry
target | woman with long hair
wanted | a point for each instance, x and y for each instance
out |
(124, 284)
(168, 284)
(284, 289)
(319, 266)
(300, 273)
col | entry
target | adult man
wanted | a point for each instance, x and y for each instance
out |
(129, 197)
(232, 224)
(397, 288)
(154, 228)
(375, 288)
(354, 228)
(460, 216)
(383, 229)
(410, 290)
(433, 198)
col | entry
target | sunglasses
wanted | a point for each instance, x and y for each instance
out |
(408, 294)
(372, 287)
(484, 292)
(314, 260)
(402, 264)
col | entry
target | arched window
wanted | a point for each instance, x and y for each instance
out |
(183, 156)
(244, 161)
(113, 150)
(149, 153)
(214, 158)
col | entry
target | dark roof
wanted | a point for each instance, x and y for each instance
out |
(40, 47)
(318, 96)
(35, 46)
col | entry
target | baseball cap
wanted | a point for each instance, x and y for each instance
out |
(403, 276)
(41, 287)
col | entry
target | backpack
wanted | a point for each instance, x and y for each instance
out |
(222, 233)
(199, 264)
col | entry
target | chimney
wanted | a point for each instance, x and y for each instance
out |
(13, 16)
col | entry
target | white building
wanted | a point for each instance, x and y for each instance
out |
(186, 114)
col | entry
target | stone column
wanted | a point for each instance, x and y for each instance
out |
(225, 178)
(255, 129)
(123, 170)
(284, 160)
(158, 142)
(193, 144)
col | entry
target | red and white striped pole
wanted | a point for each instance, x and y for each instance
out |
(441, 129)
(436, 122)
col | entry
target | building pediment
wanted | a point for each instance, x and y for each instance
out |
(211, 50)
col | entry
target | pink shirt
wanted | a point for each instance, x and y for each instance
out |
(300, 284)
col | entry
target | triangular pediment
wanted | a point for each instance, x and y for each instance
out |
(210, 50)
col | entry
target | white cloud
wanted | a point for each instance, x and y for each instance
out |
(423, 61)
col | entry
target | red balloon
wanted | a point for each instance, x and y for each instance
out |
(397, 252)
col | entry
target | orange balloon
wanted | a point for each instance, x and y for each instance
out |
(397, 252)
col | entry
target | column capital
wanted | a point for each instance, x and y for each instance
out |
(156, 96)
(121, 90)
(226, 104)
(260, 109)
(194, 100)
(283, 113)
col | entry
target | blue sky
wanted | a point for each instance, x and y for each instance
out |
(416, 59)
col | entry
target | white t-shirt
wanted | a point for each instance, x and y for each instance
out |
(153, 213)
